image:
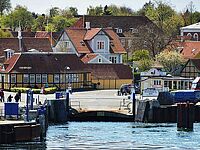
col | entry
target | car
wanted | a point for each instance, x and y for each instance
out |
(125, 89)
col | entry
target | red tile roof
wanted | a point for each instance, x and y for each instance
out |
(44, 63)
(81, 36)
(190, 49)
(91, 33)
(110, 71)
(88, 57)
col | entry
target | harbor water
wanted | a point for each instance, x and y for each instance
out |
(112, 135)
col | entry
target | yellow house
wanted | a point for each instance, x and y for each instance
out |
(33, 69)
(110, 76)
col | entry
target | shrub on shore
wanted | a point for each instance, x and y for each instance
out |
(48, 90)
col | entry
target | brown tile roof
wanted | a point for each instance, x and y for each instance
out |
(123, 22)
(88, 57)
(43, 34)
(80, 36)
(110, 71)
(24, 34)
(41, 44)
(44, 63)
(190, 49)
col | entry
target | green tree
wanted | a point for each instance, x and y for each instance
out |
(171, 60)
(95, 11)
(143, 58)
(4, 34)
(4, 5)
(21, 16)
(54, 12)
(40, 23)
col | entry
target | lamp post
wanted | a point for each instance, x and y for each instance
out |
(65, 71)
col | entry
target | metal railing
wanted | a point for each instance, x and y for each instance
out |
(126, 104)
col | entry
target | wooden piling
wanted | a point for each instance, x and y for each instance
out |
(185, 116)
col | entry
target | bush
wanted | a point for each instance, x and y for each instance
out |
(49, 90)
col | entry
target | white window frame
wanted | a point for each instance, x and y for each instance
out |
(13, 78)
(99, 60)
(100, 45)
(113, 59)
(196, 37)
(67, 44)
(189, 34)
(44, 78)
(32, 78)
(26, 78)
(38, 78)
(56, 78)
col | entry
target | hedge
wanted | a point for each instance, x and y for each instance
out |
(49, 90)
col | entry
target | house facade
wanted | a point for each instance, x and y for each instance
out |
(192, 31)
(163, 82)
(128, 28)
(36, 70)
(191, 69)
(91, 45)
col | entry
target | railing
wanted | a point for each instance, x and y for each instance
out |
(126, 105)
(1, 113)
(75, 104)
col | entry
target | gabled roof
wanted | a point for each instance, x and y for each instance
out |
(123, 22)
(195, 26)
(110, 71)
(44, 63)
(80, 37)
(196, 63)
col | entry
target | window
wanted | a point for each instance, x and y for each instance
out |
(157, 82)
(44, 78)
(189, 34)
(118, 30)
(134, 30)
(13, 78)
(113, 59)
(32, 78)
(100, 45)
(99, 60)
(26, 78)
(72, 77)
(196, 38)
(67, 44)
(56, 78)
(38, 78)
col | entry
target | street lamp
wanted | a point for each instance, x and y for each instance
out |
(65, 71)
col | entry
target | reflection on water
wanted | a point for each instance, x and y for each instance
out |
(112, 135)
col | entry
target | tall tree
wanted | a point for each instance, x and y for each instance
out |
(4, 5)
(171, 60)
(95, 11)
(21, 16)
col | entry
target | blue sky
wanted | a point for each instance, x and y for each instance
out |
(42, 6)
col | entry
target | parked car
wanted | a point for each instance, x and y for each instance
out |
(125, 89)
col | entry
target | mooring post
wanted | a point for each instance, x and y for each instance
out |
(27, 105)
(67, 101)
(185, 116)
(133, 101)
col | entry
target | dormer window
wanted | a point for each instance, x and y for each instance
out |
(67, 44)
(8, 53)
(134, 30)
(195, 36)
(100, 45)
(118, 30)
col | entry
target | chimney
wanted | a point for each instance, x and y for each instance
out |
(87, 25)
(20, 38)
